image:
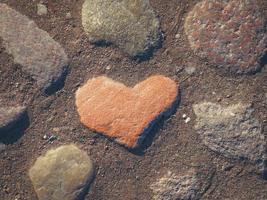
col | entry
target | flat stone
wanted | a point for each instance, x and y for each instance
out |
(230, 34)
(131, 25)
(231, 131)
(190, 185)
(38, 53)
(10, 116)
(123, 113)
(62, 173)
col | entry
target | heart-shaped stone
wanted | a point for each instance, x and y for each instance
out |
(123, 113)
(130, 25)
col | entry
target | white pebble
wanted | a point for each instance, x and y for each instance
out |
(187, 120)
(41, 9)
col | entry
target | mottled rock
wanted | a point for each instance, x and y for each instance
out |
(41, 9)
(123, 113)
(40, 56)
(190, 185)
(62, 173)
(230, 34)
(129, 24)
(10, 116)
(231, 131)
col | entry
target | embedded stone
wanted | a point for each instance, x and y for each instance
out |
(231, 131)
(230, 34)
(62, 173)
(38, 53)
(123, 113)
(131, 25)
(189, 185)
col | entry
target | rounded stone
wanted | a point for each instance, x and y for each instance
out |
(62, 173)
(130, 25)
(230, 34)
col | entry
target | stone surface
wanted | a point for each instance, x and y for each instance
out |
(123, 113)
(230, 34)
(10, 116)
(129, 24)
(62, 173)
(41, 9)
(231, 131)
(33, 48)
(190, 185)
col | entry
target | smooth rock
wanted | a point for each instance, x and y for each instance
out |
(129, 24)
(38, 53)
(230, 34)
(231, 131)
(123, 113)
(190, 185)
(10, 116)
(62, 173)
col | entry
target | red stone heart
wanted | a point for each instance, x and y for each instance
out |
(124, 113)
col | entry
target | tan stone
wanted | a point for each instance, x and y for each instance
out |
(124, 113)
(62, 173)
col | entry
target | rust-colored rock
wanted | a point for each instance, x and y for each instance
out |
(123, 113)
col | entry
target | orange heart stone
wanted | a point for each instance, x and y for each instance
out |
(123, 113)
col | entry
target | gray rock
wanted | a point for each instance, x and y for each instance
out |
(231, 130)
(33, 48)
(129, 24)
(10, 116)
(62, 173)
(190, 185)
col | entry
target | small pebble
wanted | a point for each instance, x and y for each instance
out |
(187, 120)
(190, 70)
(68, 15)
(41, 9)
(108, 67)
(184, 116)
(45, 137)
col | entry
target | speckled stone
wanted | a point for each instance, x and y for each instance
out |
(62, 173)
(129, 24)
(189, 185)
(38, 53)
(231, 131)
(231, 34)
(123, 113)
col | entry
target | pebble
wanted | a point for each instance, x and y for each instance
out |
(10, 116)
(190, 70)
(123, 113)
(131, 25)
(231, 131)
(41, 9)
(189, 185)
(230, 34)
(62, 173)
(38, 53)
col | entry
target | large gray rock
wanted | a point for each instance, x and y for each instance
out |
(62, 173)
(231, 130)
(10, 116)
(129, 24)
(33, 48)
(185, 186)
